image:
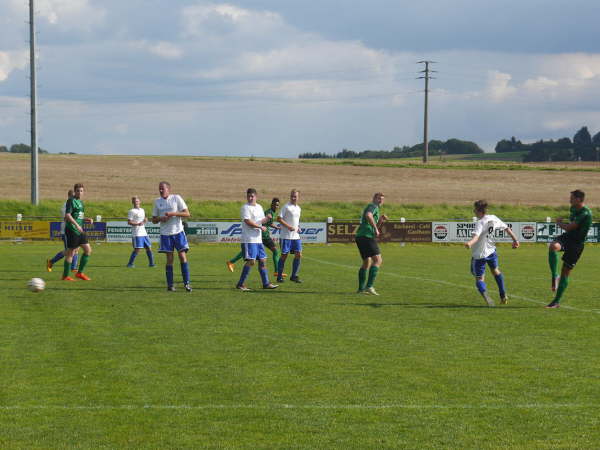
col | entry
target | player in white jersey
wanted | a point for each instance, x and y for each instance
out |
(60, 255)
(168, 211)
(136, 217)
(289, 218)
(253, 220)
(483, 250)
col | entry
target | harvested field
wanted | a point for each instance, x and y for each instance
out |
(118, 177)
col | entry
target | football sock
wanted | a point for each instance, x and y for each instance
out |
(83, 263)
(276, 255)
(264, 274)
(295, 267)
(236, 258)
(150, 256)
(280, 267)
(553, 262)
(362, 278)
(75, 260)
(169, 274)
(372, 275)
(57, 257)
(244, 274)
(185, 272)
(66, 268)
(480, 285)
(500, 282)
(562, 286)
(132, 258)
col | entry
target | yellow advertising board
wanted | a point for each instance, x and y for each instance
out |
(25, 229)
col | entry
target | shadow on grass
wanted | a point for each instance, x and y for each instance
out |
(441, 306)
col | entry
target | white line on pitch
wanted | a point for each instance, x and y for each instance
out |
(447, 283)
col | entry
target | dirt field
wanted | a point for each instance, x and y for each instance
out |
(118, 177)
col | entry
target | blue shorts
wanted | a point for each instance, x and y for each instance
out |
(141, 242)
(478, 265)
(253, 251)
(173, 242)
(290, 245)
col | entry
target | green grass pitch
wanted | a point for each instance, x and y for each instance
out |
(119, 362)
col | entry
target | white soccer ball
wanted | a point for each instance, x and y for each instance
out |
(36, 285)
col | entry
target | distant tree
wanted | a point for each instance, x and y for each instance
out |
(596, 140)
(23, 148)
(512, 145)
(345, 153)
(309, 155)
(3, 149)
(458, 147)
(582, 137)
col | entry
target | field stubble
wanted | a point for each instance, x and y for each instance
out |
(118, 177)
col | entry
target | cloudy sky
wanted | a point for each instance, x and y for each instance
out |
(281, 77)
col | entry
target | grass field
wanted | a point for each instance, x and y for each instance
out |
(119, 362)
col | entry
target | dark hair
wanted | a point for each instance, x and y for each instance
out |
(275, 200)
(70, 193)
(251, 191)
(578, 194)
(481, 206)
(165, 182)
(77, 186)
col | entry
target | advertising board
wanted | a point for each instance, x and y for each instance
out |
(462, 231)
(310, 232)
(25, 229)
(344, 232)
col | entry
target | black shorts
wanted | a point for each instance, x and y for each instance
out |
(268, 243)
(572, 250)
(73, 239)
(367, 247)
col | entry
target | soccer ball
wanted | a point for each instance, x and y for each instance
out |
(36, 285)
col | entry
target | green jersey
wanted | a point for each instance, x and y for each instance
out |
(267, 233)
(74, 207)
(365, 229)
(583, 217)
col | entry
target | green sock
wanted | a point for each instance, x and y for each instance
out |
(83, 262)
(372, 275)
(276, 254)
(66, 268)
(553, 262)
(362, 278)
(562, 286)
(236, 257)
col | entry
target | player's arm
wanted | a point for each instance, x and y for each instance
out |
(371, 220)
(511, 233)
(567, 226)
(253, 224)
(382, 219)
(183, 213)
(284, 223)
(474, 239)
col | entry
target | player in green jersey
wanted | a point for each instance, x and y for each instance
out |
(74, 234)
(366, 235)
(571, 242)
(266, 238)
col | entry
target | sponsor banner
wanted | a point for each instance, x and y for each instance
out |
(202, 231)
(95, 231)
(121, 232)
(25, 229)
(310, 232)
(547, 232)
(462, 232)
(344, 232)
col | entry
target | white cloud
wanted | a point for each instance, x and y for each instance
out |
(10, 61)
(499, 88)
(64, 14)
(166, 50)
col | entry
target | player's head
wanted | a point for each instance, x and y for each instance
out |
(294, 196)
(275, 203)
(78, 190)
(70, 193)
(577, 197)
(164, 189)
(251, 195)
(135, 201)
(480, 208)
(378, 198)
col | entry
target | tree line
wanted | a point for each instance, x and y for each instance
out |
(19, 148)
(583, 147)
(449, 147)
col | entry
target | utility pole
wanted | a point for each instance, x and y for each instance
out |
(426, 77)
(33, 99)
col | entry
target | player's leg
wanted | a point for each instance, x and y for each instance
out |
(181, 244)
(492, 262)
(149, 254)
(167, 246)
(50, 262)
(231, 262)
(478, 271)
(553, 249)
(262, 268)
(297, 248)
(249, 258)
(366, 263)
(87, 251)
(285, 250)
(134, 252)
(570, 257)
(75, 260)
(268, 243)
(67, 265)
(376, 260)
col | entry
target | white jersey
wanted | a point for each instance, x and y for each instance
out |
(255, 213)
(291, 215)
(173, 203)
(485, 228)
(137, 215)
(63, 211)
